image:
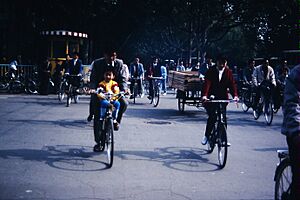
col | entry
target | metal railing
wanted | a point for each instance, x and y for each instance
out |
(27, 70)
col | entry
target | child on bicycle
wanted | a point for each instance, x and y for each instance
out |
(108, 85)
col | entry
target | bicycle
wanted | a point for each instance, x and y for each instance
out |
(73, 84)
(105, 128)
(265, 104)
(247, 97)
(135, 88)
(63, 86)
(283, 176)
(156, 90)
(218, 137)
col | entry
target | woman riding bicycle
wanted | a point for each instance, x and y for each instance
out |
(218, 80)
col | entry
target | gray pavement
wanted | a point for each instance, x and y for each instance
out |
(46, 153)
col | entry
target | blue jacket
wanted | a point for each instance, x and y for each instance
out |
(140, 70)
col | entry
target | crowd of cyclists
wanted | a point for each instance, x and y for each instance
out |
(112, 75)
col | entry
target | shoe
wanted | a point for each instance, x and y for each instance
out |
(142, 95)
(116, 126)
(131, 97)
(149, 97)
(97, 148)
(228, 144)
(204, 140)
(90, 117)
(164, 94)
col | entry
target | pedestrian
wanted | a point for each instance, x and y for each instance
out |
(180, 67)
(164, 75)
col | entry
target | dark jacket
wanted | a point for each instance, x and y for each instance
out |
(100, 66)
(77, 68)
(155, 71)
(291, 104)
(212, 85)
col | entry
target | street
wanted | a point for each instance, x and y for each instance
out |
(46, 152)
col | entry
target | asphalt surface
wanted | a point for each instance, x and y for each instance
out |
(46, 153)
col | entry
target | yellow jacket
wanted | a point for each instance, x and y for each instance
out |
(111, 86)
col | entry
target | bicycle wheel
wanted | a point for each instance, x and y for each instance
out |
(69, 96)
(245, 100)
(283, 180)
(222, 146)
(156, 95)
(134, 92)
(31, 87)
(181, 104)
(61, 92)
(268, 112)
(257, 111)
(109, 141)
(16, 87)
(211, 141)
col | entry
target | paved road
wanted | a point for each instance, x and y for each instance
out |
(46, 153)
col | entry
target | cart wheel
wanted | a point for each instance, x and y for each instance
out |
(181, 103)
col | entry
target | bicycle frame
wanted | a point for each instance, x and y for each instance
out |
(219, 133)
(156, 90)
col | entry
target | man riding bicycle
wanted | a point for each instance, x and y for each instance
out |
(99, 67)
(262, 74)
(137, 75)
(154, 71)
(218, 79)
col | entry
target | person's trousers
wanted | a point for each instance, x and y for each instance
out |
(104, 105)
(212, 116)
(94, 105)
(294, 152)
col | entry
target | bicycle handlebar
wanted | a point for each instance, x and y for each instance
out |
(156, 77)
(222, 101)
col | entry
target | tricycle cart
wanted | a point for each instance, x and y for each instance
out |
(188, 86)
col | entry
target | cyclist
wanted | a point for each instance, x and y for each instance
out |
(154, 71)
(99, 67)
(108, 85)
(137, 74)
(261, 74)
(291, 126)
(248, 71)
(218, 79)
(75, 66)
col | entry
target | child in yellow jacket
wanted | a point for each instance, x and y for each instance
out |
(109, 85)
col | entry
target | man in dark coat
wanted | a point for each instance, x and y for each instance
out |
(99, 67)
(291, 126)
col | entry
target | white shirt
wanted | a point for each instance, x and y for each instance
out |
(221, 73)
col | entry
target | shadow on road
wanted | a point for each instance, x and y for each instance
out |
(64, 157)
(82, 158)
(75, 124)
(178, 158)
